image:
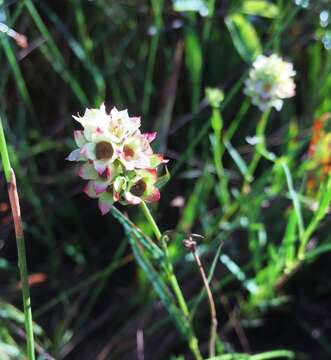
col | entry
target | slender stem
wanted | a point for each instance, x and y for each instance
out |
(193, 342)
(213, 316)
(16, 212)
(151, 220)
(260, 146)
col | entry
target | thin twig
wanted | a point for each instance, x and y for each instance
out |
(190, 244)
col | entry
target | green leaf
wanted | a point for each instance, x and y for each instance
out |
(194, 61)
(294, 197)
(322, 209)
(244, 37)
(133, 230)
(289, 241)
(250, 285)
(137, 240)
(239, 161)
(162, 180)
(276, 354)
(8, 311)
(260, 8)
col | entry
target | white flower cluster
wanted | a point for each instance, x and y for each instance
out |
(270, 81)
(118, 161)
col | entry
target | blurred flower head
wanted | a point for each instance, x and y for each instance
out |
(117, 159)
(318, 161)
(270, 81)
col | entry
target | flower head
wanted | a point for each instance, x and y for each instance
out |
(318, 162)
(117, 159)
(270, 81)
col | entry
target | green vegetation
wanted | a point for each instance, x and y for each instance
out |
(255, 186)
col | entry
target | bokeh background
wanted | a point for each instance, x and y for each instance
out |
(90, 299)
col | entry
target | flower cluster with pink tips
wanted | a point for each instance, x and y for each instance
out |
(117, 159)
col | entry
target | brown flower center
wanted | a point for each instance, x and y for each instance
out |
(110, 189)
(128, 153)
(267, 87)
(104, 150)
(139, 188)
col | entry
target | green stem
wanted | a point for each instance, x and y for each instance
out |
(157, 7)
(216, 121)
(4, 154)
(193, 342)
(151, 220)
(14, 202)
(260, 146)
(26, 297)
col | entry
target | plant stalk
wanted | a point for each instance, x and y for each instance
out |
(191, 245)
(22, 264)
(193, 341)
(259, 148)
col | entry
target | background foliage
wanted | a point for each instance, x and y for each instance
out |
(90, 300)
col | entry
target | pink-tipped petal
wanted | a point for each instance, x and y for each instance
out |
(88, 150)
(153, 173)
(154, 196)
(89, 190)
(134, 200)
(104, 207)
(116, 196)
(107, 172)
(157, 159)
(100, 187)
(99, 166)
(150, 136)
(105, 203)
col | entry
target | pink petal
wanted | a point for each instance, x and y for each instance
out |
(99, 187)
(104, 207)
(134, 200)
(116, 196)
(150, 136)
(154, 196)
(99, 166)
(107, 172)
(152, 172)
(89, 190)
(105, 203)
(157, 159)
(88, 151)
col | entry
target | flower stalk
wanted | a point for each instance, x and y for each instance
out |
(261, 145)
(193, 341)
(22, 263)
